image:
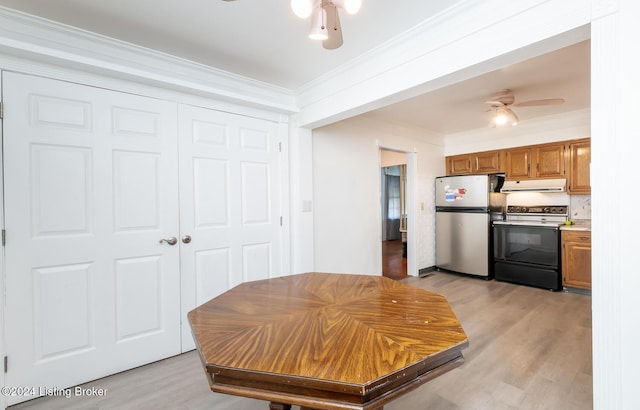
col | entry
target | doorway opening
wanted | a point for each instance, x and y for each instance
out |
(393, 184)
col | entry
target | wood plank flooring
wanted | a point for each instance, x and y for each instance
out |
(394, 266)
(528, 349)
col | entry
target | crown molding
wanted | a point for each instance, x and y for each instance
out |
(26, 36)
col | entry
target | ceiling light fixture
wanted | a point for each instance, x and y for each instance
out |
(325, 23)
(503, 116)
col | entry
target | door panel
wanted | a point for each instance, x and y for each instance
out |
(138, 289)
(61, 180)
(52, 286)
(91, 188)
(211, 201)
(229, 204)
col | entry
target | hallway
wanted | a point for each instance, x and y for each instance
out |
(394, 266)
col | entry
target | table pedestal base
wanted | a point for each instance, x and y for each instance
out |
(279, 406)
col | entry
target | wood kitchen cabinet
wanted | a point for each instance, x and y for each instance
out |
(549, 160)
(459, 164)
(564, 159)
(538, 161)
(579, 173)
(488, 162)
(519, 163)
(576, 259)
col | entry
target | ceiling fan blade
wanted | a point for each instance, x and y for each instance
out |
(501, 98)
(533, 103)
(495, 103)
(333, 28)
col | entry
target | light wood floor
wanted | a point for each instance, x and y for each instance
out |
(529, 349)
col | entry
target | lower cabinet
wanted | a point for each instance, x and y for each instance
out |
(576, 259)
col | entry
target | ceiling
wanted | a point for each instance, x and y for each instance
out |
(265, 41)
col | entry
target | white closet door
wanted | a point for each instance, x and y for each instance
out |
(90, 189)
(229, 204)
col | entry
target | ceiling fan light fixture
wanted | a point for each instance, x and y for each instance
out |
(504, 116)
(319, 24)
(302, 8)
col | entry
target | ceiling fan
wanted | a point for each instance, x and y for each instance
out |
(325, 21)
(502, 102)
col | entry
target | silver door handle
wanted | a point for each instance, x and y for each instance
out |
(171, 241)
(186, 239)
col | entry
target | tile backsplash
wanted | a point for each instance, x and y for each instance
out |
(580, 207)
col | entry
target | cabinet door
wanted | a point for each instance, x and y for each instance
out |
(518, 163)
(459, 165)
(579, 163)
(576, 259)
(487, 162)
(550, 161)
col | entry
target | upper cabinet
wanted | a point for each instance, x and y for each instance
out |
(564, 159)
(459, 164)
(550, 161)
(536, 162)
(489, 162)
(579, 181)
(518, 163)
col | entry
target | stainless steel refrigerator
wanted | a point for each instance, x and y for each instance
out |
(465, 206)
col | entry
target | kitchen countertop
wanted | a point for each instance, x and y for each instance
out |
(580, 225)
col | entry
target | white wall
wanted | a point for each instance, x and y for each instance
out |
(615, 143)
(346, 181)
(301, 200)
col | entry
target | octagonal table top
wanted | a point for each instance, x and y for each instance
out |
(344, 338)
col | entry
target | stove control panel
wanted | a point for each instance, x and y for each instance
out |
(544, 209)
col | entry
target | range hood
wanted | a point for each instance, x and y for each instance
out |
(534, 185)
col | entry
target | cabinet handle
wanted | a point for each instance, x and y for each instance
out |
(584, 238)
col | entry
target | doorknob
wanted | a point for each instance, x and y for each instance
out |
(186, 239)
(171, 241)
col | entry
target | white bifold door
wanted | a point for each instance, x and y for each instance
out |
(122, 213)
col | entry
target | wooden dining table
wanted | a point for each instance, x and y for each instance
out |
(326, 341)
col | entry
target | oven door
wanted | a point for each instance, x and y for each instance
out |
(528, 244)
